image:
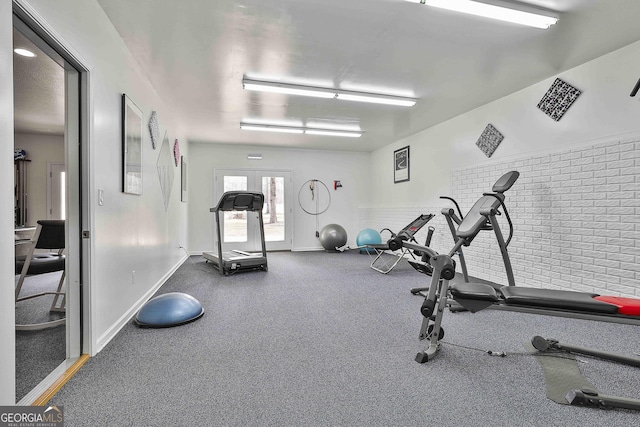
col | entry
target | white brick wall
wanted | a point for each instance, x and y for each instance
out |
(575, 214)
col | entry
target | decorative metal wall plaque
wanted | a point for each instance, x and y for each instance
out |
(164, 166)
(489, 140)
(560, 96)
(154, 129)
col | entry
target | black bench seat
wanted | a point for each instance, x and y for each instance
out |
(556, 299)
(475, 296)
(474, 291)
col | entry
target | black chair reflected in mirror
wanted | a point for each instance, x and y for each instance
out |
(49, 236)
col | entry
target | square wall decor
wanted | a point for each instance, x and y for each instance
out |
(489, 140)
(560, 96)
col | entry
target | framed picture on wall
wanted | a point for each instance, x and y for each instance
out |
(401, 165)
(183, 180)
(131, 147)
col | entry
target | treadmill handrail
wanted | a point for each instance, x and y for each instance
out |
(239, 201)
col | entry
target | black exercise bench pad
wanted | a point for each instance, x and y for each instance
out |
(555, 299)
(474, 291)
(41, 263)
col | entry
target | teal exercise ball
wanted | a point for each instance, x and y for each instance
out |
(368, 236)
(333, 236)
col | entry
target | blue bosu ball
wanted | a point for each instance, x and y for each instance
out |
(368, 236)
(171, 309)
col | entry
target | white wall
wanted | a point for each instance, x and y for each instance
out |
(603, 110)
(351, 168)
(128, 233)
(7, 311)
(41, 150)
(446, 161)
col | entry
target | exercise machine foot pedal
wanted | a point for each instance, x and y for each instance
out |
(422, 357)
(586, 397)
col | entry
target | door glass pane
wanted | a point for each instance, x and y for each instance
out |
(235, 223)
(273, 212)
(63, 196)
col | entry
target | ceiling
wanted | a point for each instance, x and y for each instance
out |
(196, 52)
(38, 87)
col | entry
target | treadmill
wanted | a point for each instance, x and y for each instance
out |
(233, 261)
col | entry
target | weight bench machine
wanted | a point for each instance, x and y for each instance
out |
(478, 296)
(379, 264)
(233, 261)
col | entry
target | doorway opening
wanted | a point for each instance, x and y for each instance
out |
(50, 122)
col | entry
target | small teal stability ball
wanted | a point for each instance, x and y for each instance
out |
(167, 310)
(368, 236)
(333, 236)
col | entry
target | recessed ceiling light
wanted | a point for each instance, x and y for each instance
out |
(24, 52)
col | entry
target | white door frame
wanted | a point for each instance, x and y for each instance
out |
(77, 159)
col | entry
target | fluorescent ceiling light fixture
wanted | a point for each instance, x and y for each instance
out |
(493, 11)
(287, 88)
(326, 132)
(301, 129)
(323, 92)
(24, 52)
(254, 156)
(271, 128)
(376, 99)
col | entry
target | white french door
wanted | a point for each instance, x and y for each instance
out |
(241, 229)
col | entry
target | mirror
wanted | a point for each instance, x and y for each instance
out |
(131, 147)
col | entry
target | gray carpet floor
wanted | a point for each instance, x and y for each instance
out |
(323, 340)
(38, 353)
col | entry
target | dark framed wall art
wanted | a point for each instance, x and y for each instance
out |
(401, 165)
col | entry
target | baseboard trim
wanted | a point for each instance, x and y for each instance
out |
(104, 339)
(61, 381)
